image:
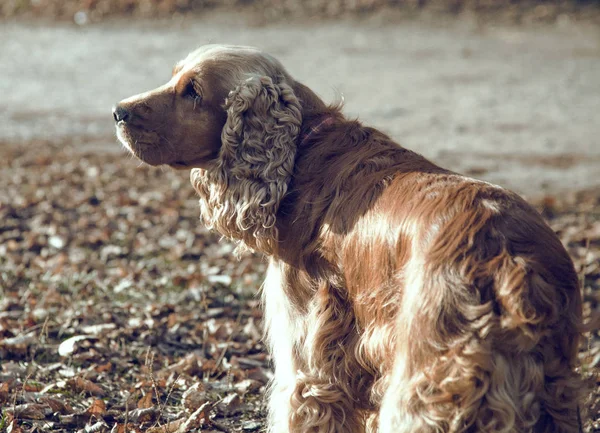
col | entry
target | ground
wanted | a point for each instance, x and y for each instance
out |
(119, 311)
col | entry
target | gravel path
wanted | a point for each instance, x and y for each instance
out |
(514, 106)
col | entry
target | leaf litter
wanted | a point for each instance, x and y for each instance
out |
(120, 312)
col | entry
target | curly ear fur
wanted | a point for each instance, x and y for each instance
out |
(241, 195)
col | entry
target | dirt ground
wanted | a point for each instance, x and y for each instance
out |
(120, 312)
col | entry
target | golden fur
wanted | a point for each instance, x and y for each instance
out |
(400, 297)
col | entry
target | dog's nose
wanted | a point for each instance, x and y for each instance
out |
(120, 113)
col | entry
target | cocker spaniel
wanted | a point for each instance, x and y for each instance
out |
(400, 297)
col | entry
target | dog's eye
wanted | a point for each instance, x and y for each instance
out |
(191, 91)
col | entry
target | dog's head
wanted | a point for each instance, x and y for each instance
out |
(231, 114)
(181, 122)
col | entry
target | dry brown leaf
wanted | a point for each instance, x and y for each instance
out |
(102, 368)
(79, 384)
(97, 408)
(32, 411)
(32, 387)
(230, 405)
(192, 365)
(146, 401)
(4, 388)
(192, 400)
(171, 427)
(57, 406)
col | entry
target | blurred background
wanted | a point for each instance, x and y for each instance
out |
(507, 90)
(119, 311)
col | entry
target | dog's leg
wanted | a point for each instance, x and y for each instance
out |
(463, 366)
(396, 414)
(282, 331)
(330, 383)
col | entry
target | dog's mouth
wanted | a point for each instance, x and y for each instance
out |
(123, 137)
(140, 144)
(148, 147)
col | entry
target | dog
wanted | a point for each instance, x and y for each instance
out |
(400, 296)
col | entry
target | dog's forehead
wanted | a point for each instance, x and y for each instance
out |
(230, 63)
(215, 51)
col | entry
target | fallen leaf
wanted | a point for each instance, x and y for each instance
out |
(97, 408)
(31, 411)
(79, 384)
(146, 401)
(57, 406)
(143, 415)
(230, 405)
(170, 427)
(196, 419)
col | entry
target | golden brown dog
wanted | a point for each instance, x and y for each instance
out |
(400, 297)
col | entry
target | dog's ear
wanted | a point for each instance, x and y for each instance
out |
(256, 161)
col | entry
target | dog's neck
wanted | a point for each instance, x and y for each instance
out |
(315, 126)
(317, 115)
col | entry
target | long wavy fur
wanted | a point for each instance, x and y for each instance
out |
(401, 297)
(240, 197)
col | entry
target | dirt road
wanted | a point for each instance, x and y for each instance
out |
(514, 106)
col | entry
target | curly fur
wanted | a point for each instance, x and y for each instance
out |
(400, 297)
(241, 195)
